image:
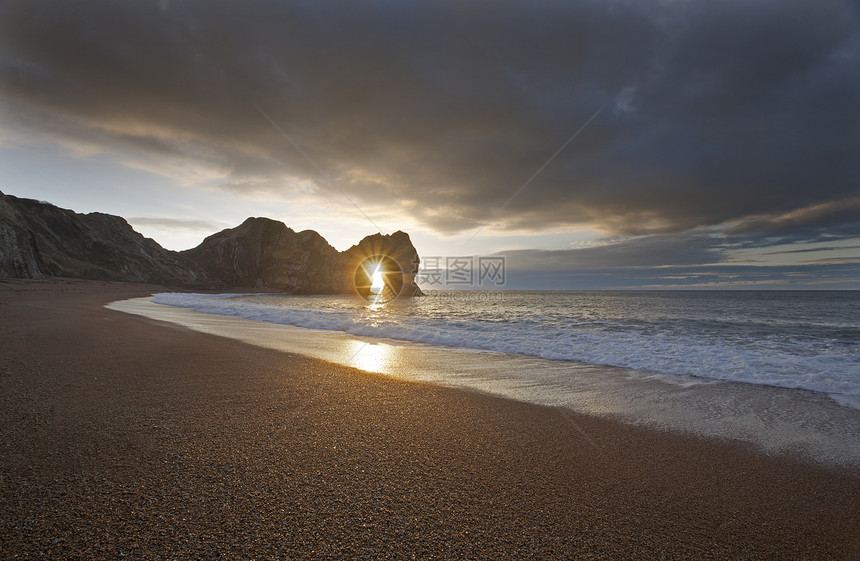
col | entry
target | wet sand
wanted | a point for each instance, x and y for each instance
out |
(124, 437)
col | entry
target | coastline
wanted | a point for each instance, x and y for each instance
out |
(126, 435)
(774, 419)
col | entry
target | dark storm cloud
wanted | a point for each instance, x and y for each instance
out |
(817, 222)
(644, 251)
(674, 261)
(842, 276)
(681, 260)
(735, 113)
(812, 249)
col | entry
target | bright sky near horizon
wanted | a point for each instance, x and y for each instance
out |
(594, 144)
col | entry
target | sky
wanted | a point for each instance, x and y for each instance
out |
(592, 144)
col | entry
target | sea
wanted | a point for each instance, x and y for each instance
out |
(779, 369)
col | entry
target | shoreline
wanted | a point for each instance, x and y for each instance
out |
(774, 419)
(127, 436)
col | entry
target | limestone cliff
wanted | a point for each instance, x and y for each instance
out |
(265, 253)
(39, 240)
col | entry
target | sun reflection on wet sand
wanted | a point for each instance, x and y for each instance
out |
(371, 357)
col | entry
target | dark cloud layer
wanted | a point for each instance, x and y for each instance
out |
(730, 113)
(684, 260)
(665, 250)
(835, 276)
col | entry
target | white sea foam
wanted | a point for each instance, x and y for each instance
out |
(760, 353)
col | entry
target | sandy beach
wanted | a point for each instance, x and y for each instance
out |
(127, 438)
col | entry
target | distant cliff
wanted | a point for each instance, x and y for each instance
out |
(39, 240)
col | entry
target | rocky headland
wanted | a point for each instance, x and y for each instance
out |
(40, 240)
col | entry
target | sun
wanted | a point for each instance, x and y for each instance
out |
(378, 279)
(378, 284)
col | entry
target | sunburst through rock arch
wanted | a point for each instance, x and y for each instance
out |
(378, 279)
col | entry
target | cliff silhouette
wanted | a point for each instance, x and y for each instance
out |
(40, 240)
